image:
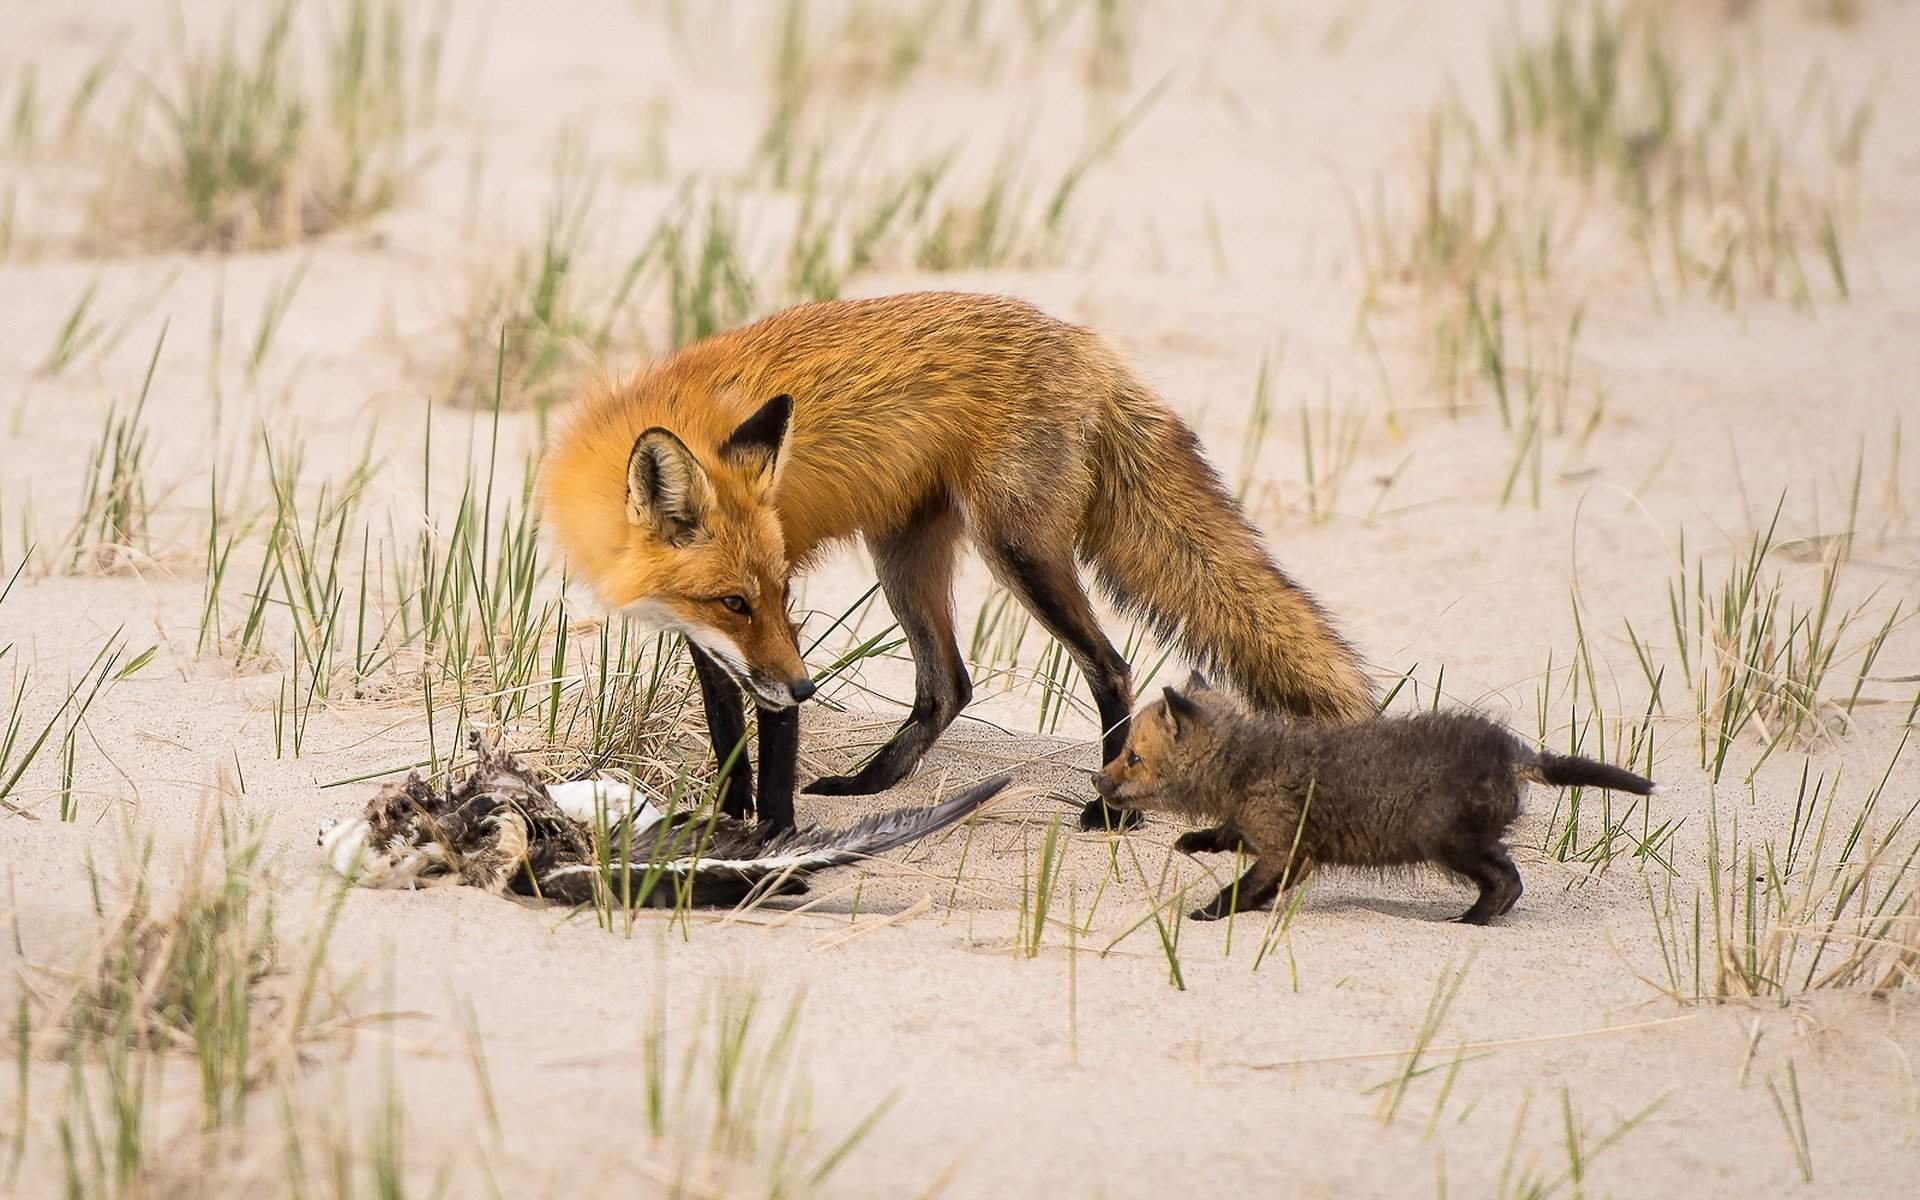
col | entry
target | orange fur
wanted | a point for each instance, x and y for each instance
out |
(919, 418)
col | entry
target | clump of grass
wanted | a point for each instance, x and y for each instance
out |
(997, 224)
(1714, 180)
(872, 47)
(1393, 1090)
(1328, 449)
(555, 314)
(29, 131)
(273, 310)
(1527, 1179)
(87, 331)
(1037, 890)
(19, 746)
(1579, 830)
(834, 238)
(1833, 907)
(1756, 657)
(531, 326)
(740, 1103)
(200, 973)
(461, 616)
(709, 283)
(112, 526)
(250, 156)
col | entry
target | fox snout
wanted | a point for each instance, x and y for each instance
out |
(777, 693)
(1104, 784)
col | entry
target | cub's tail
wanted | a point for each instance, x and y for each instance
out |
(1168, 542)
(1567, 770)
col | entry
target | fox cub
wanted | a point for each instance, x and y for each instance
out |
(1437, 788)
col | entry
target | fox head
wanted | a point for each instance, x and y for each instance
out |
(1168, 745)
(688, 543)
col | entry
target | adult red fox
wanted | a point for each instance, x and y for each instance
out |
(690, 495)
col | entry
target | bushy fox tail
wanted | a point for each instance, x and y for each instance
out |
(1169, 543)
(1567, 770)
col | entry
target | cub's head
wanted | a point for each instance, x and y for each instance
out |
(684, 541)
(1166, 743)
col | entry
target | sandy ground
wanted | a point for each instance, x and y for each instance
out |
(1081, 1070)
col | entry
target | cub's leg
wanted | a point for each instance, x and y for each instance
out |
(1221, 839)
(1256, 889)
(1498, 879)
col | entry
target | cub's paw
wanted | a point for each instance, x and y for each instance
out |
(1206, 841)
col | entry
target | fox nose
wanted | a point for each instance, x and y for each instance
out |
(801, 688)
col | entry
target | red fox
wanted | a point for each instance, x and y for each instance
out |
(690, 495)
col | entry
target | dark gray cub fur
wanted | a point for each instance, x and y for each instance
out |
(1438, 788)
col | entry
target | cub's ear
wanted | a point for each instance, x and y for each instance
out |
(667, 488)
(1182, 714)
(1197, 682)
(755, 445)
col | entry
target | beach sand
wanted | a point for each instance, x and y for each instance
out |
(1359, 1046)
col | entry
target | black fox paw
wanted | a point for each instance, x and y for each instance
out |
(844, 785)
(1096, 817)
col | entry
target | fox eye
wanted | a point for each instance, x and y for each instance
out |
(1133, 760)
(737, 604)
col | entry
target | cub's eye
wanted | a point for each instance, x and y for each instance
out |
(737, 604)
(1133, 760)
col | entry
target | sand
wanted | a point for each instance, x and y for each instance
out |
(1219, 234)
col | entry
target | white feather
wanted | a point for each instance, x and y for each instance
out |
(584, 800)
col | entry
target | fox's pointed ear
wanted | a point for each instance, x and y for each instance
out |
(756, 444)
(1182, 714)
(667, 488)
(1197, 682)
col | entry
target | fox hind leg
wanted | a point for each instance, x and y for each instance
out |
(915, 565)
(1049, 585)
(1497, 877)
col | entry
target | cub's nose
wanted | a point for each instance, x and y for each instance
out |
(801, 688)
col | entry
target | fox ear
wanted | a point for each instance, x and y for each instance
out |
(1182, 714)
(667, 488)
(755, 445)
(1197, 682)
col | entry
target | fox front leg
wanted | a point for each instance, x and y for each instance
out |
(727, 729)
(1256, 889)
(779, 762)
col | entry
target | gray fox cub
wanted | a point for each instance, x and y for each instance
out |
(1437, 788)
